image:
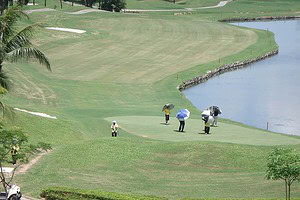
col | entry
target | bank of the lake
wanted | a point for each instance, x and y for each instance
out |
(265, 94)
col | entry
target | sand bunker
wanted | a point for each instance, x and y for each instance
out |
(36, 113)
(66, 29)
(39, 10)
(85, 11)
(31, 4)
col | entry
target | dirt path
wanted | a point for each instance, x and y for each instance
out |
(25, 167)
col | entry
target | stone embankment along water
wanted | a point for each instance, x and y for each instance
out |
(267, 18)
(222, 69)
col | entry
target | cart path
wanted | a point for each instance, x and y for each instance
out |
(25, 167)
(28, 198)
(221, 4)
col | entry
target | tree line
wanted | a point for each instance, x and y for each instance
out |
(108, 5)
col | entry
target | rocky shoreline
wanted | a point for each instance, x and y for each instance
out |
(239, 64)
(222, 69)
(267, 18)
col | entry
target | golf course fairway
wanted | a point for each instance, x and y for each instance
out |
(125, 67)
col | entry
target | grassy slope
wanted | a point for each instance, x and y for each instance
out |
(82, 93)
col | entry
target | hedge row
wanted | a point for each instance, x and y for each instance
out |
(62, 193)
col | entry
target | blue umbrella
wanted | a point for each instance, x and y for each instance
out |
(183, 114)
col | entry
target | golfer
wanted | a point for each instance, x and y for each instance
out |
(114, 129)
(14, 151)
(207, 123)
(182, 115)
(181, 124)
(215, 110)
(167, 115)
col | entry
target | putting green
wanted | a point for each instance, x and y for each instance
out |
(153, 127)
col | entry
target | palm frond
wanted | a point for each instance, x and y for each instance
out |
(3, 90)
(4, 82)
(6, 112)
(8, 22)
(27, 54)
(13, 14)
(22, 38)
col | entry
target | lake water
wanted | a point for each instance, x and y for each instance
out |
(266, 92)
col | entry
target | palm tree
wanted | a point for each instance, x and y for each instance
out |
(15, 44)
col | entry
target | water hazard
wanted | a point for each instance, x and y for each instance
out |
(265, 93)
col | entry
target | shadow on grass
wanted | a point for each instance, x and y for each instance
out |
(164, 123)
(179, 131)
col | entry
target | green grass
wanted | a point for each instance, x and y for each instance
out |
(125, 67)
(154, 128)
(252, 8)
(143, 166)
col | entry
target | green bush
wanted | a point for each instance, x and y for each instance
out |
(113, 5)
(231, 199)
(62, 193)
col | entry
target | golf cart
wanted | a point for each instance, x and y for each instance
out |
(13, 191)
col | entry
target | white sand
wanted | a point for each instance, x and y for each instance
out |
(86, 11)
(36, 113)
(66, 29)
(31, 4)
(39, 10)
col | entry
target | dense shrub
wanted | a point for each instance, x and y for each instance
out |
(113, 5)
(61, 193)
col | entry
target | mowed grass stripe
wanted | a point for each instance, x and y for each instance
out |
(144, 50)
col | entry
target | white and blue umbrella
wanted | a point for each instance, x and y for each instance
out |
(183, 114)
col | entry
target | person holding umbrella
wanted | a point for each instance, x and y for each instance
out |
(215, 110)
(182, 115)
(208, 120)
(167, 109)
